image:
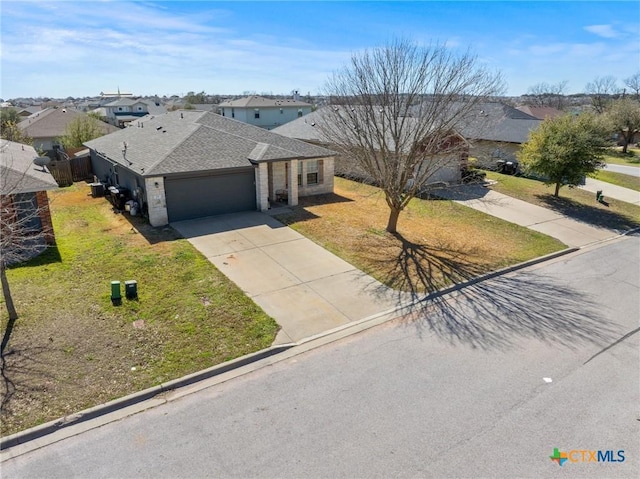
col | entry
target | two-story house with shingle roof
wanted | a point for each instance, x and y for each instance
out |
(189, 164)
(123, 111)
(264, 112)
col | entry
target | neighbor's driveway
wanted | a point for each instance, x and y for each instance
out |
(305, 288)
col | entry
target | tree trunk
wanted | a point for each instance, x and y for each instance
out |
(6, 291)
(11, 309)
(625, 141)
(558, 184)
(392, 224)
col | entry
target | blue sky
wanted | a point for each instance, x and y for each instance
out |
(66, 48)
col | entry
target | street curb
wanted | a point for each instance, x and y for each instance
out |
(140, 396)
(304, 344)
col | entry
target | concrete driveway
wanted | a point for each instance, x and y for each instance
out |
(304, 287)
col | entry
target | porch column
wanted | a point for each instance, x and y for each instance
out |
(262, 187)
(292, 181)
(156, 201)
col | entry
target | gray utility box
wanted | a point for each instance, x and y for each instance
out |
(131, 289)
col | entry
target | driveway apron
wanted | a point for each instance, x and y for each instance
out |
(304, 287)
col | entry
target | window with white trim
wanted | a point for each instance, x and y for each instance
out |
(312, 172)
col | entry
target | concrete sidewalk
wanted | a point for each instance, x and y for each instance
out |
(612, 191)
(571, 232)
(304, 287)
(624, 169)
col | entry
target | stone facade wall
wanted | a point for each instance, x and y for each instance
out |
(325, 173)
(156, 201)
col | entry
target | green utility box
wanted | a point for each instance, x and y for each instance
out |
(116, 296)
(131, 289)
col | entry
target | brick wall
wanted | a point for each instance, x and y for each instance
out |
(45, 217)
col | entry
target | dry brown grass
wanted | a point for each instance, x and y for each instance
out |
(439, 242)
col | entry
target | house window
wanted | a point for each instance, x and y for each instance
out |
(139, 108)
(256, 113)
(299, 113)
(119, 108)
(233, 113)
(299, 173)
(312, 172)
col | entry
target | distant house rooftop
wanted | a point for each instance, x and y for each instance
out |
(261, 102)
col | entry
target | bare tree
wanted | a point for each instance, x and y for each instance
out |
(633, 82)
(546, 94)
(396, 111)
(602, 90)
(25, 227)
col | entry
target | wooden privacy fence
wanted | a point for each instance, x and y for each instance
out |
(65, 172)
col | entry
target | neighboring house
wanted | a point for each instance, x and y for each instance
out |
(188, 164)
(541, 112)
(264, 112)
(123, 111)
(28, 111)
(24, 201)
(307, 128)
(47, 126)
(497, 132)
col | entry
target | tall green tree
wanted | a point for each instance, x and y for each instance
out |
(80, 130)
(10, 131)
(8, 116)
(624, 115)
(565, 149)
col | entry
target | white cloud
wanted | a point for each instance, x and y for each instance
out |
(605, 31)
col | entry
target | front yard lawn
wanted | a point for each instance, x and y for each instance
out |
(440, 242)
(620, 179)
(572, 202)
(615, 156)
(72, 349)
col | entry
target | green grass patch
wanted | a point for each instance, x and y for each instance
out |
(439, 242)
(572, 202)
(631, 158)
(619, 179)
(72, 348)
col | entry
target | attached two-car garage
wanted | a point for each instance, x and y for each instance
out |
(189, 197)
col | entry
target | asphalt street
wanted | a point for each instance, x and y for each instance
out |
(485, 383)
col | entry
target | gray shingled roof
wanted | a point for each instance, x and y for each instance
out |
(303, 128)
(188, 141)
(53, 122)
(493, 121)
(500, 122)
(18, 174)
(260, 102)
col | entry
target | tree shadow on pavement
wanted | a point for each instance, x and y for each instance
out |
(595, 215)
(494, 313)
